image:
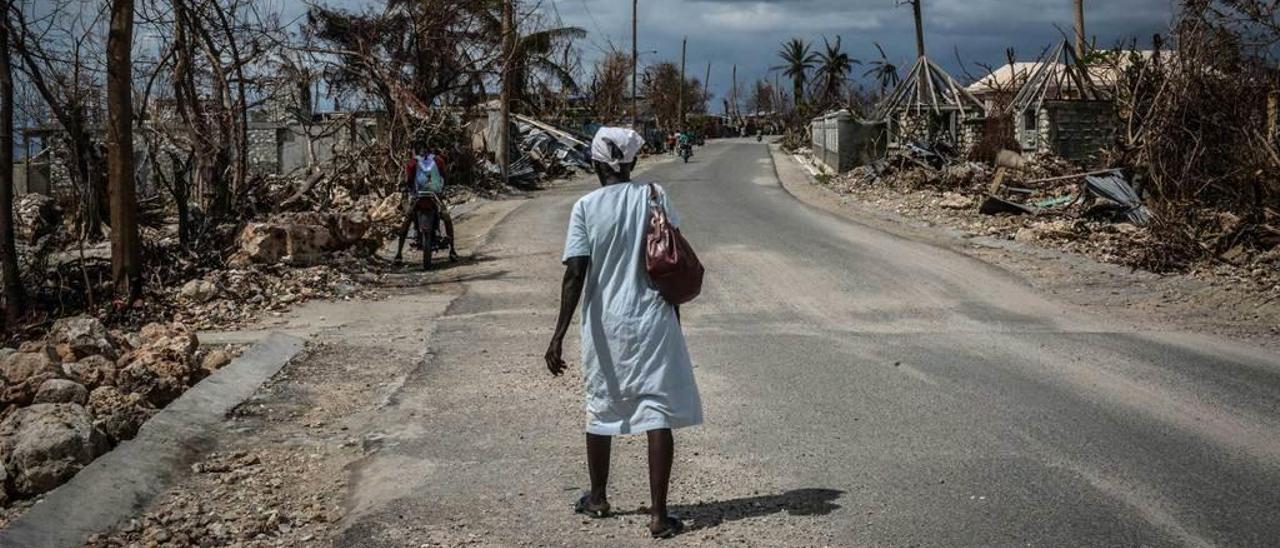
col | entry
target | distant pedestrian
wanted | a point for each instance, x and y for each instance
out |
(637, 371)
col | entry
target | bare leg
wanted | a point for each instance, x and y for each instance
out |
(404, 232)
(448, 230)
(598, 449)
(661, 453)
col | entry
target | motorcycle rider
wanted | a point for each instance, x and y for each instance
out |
(423, 160)
(684, 143)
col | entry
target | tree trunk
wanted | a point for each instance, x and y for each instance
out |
(1080, 40)
(14, 300)
(126, 267)
(504, 109)
(798, 89)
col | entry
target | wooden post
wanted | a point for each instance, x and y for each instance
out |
(504, 107)
(635, 64)
(915, 8)
(683, 46)
(1080, 41)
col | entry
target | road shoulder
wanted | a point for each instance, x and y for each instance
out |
(1148, 301)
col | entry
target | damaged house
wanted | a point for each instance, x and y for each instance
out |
(931, 106)
(1061, 109)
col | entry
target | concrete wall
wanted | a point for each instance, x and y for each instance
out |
(843, 142)
(1074, 130)
(1078, 130)
(907, 125)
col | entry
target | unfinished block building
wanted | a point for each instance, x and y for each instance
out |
(1061, 111)
(930, 106)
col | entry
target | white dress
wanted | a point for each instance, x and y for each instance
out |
(637, 370)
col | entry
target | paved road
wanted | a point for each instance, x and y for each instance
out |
(860, 388)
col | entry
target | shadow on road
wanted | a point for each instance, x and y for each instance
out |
(797, 502)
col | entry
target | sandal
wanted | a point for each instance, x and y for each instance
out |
(584, 507)
(673, 528)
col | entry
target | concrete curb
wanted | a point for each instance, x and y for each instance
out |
(119, 484)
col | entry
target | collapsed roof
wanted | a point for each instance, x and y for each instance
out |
(1058, 77)
(929, 88)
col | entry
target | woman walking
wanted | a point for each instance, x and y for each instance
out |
(636, 369)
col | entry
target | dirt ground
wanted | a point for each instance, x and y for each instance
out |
(279, 475)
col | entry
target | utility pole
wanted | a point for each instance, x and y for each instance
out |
(915, 8)
(635, 63)
(504, 108)
(706, 90)
(683, 45)
(734, 102)
(1080, 43)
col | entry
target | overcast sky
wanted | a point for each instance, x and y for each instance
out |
(749, 32)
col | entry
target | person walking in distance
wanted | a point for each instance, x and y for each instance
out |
(637, 371)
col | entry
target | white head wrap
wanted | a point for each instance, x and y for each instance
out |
(626, 139)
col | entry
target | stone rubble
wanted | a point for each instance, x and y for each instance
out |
(69, 398)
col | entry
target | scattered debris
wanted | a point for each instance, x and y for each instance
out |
(1112, 187)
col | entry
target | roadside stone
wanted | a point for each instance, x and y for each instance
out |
(91, 371)
(199, 291)
(23, 373)
(45, 444)
(117, 414)
(61, 391)
(163, 367)
(85, 336)
(215, 360)
(174, 337)
(157, 377)
(37, 346)
(20, 367)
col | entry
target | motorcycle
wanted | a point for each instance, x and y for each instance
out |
(759, 137)
(686, 152)
(430, 237)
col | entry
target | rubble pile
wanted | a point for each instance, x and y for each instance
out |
(543, 151)
(69, 398)
(1048, 202)
(235, 296)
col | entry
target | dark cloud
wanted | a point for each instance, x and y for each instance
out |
(748, 32)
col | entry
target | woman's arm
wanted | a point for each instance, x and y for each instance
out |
(575, 276)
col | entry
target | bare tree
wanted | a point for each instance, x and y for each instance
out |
(609, 86)
(126, 258)
(57, 53)
(663, 86)
(12, 286)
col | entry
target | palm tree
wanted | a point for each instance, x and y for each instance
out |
(797, 62)
(833, 71)
(885, 73)
(533, 54)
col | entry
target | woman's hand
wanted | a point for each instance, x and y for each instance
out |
(555, 363)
